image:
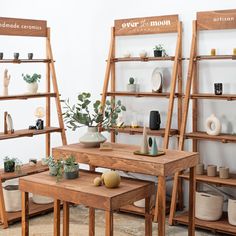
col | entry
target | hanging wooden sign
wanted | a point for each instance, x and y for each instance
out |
(23, 27)
(214, 20)
(147, 25)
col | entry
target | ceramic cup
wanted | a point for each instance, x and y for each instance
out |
(16, 55)
(200, 169)
(1, 55)
(213, 52)
(224, 172)
(218, 88)
(30, 56)
(211, 170)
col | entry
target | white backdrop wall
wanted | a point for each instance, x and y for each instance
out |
(80, 35)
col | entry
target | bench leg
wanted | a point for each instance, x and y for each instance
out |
(25, 214)
(148, 217)
(109, 223)
(56, 217)
(66, 218)
(161, 205)
(91, 221)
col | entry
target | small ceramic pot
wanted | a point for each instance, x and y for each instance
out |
(211, 170)
(157, 53)
(232, 211)
(213, 52)
(16, 55)
(30, 56)
(200, 169)
(12, 198)
(1, 55)
(224, 172)
(52, 170)
(71, 173)
(131, 87)
(32, 87)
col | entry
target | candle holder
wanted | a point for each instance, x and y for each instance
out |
(211, 170)
(224, 172)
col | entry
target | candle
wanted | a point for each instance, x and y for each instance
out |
(213, 52)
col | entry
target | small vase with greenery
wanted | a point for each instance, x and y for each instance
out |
(32, 82)
(159, 51)
(94, 116)
(131, 86)
(9, 164)
(71, 168)
(55, 167)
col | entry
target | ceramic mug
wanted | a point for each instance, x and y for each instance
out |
(224, 172)
(211, 170)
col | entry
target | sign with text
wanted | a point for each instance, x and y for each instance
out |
(147, 25)
(23, 27)
(214, 20)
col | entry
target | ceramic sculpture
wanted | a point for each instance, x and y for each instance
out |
(144, 144)
(154, 149)
(6, 81)
(213, 125)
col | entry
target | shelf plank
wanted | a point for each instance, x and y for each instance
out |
(228, 97)
(213, 180)
(143, 59)
(139, 130)
(29, 133)
(25, 61)
(26, 169)
(221, 226)
(139, 94)
(216, 57)
(27, 96)
(224, 138)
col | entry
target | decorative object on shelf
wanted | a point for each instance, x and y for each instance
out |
(30, 55)
(127, 54)
(71, 168)
(55, 167)
(105, 146)
(16, 55)
(154, 120)
(224, 172)
(208, 206)
(1, 55)
(211, 170)
(159, 51)
(32, 82)
(9, 122)
(80, 115)
(213, 125)
(97, 181)
(144, 143)
(218, 88)
(32, 127)
(234, 51)
(111, 179)
(5, 122)
(200, 169)
(38, 199)
(12, 198)
(131, 86)
(157, 80)
(213, 52)
(6, 81)
(32, 161)
(143, 53)
(154, 149)
(9, 164)
(39, 113)
(232, 211)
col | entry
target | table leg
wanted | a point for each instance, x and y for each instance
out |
(148, 217)
(161, 205)
(91, 221)
(192, 192)
(66, 218)
(56, 217)
(25, 213)
(109, 223)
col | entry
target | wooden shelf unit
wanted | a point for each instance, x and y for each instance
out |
(204, 22)
(44, 32)
(176, 76)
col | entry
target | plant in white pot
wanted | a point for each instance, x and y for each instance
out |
(32, 82)
(94, 117)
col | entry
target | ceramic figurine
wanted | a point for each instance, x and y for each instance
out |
(154, 149)
(6, 81)
(144, 144)
(213, 125)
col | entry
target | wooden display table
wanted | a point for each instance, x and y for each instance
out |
(82, 191)
(122, 158)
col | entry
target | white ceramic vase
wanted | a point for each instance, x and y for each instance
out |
(213, 125)
(12, 198)
(209, 207)
(32, 87)
(92, 138)
(232, 211)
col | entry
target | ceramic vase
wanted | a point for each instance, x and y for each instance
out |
(232, 211)
(12, 198)
(144, 144)
(92, 138)
(154, 120)
(213, 125)
(154, 149)
(32, 87)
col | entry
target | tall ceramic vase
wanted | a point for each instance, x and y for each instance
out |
(92, 138)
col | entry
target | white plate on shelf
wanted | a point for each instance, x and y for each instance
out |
(157, 80)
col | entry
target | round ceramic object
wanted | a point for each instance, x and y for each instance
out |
(32, 87)
(232, 211)
(209, 207)
(38, 199)
(111, 179)
(92, 138)
(213, 125)
(12, 198)
(157, 80)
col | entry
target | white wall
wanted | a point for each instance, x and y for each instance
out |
(80, 40)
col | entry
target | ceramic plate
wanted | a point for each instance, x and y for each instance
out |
(156, 80)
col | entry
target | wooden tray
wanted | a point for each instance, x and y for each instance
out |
(149, 155)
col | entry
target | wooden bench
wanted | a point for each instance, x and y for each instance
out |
(82, 191)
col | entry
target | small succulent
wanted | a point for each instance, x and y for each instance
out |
(70, 164)
(31, 78)
(160, 47)
(131, 80)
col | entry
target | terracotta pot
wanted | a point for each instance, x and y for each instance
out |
(232, 211)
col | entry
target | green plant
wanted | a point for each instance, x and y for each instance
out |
(31, 79)
(55, 167)
(79, 114)
(70, 164)
(131, 80)
(160, 47)
(9, 164)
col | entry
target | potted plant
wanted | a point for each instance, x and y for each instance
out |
(32, 82)
(131, 86)
(71, 168)
(81, 114)
(9, 164)
(55, 167)
(159, 51)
